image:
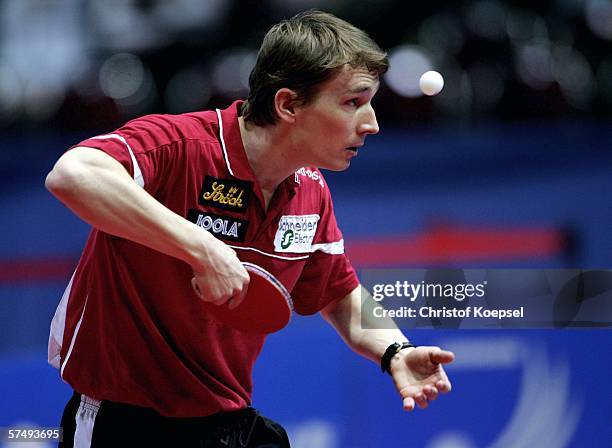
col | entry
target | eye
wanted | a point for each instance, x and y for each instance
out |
(353, 102)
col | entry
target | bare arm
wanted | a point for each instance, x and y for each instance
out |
(345, 316)
(100, 191)
(417, 372)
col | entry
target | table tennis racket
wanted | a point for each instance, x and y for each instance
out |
(266, 308)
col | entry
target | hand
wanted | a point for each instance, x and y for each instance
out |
(221, 278)
(418, 375)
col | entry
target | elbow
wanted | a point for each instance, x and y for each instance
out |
(63, 179)
(53, 181)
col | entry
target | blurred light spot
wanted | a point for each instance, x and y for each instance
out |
(313, 434)
(441, 33)
(535, 64)
(540, 29)
(598, 15)
(87, 85)
(485, 353)
(42, 98)
(11, 91)
(407, 64)
(451, 439)
(40, 36)
(487, 85)
(121, 75)
(299, 5)
(141, 100)
(486, 19)
(519, 25)
(189, 14)
(187, 91)
(457, 100)
(570, 7)
(560, 32)
(525, 26)
(575, 78)
(604, 80)
(231, 71)
(125, 25)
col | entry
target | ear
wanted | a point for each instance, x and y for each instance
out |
(284, 104)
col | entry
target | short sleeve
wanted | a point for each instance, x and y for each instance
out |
(136, 145)
(328, 274)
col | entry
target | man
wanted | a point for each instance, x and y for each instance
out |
(130, 334)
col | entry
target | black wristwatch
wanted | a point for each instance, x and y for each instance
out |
(392, 350)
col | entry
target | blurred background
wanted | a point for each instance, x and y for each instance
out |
(510, 166)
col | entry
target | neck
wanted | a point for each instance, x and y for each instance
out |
(268, 150)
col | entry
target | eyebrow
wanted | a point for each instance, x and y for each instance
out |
(361, 89)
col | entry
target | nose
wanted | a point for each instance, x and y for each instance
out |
(369, 124)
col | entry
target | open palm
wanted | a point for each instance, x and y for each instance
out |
(419, 376)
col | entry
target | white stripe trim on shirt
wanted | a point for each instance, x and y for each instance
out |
(58, 324)
(137, 173)
(74, 336)
(269, 255)
(223, 148)
(334, 248)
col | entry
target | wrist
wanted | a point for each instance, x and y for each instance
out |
(391, 352)
(197, 247)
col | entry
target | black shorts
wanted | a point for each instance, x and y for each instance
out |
(91, 423)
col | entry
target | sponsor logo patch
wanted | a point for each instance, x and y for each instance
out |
(310, 174)
(295, 233)
(226, 194)
(223, 227)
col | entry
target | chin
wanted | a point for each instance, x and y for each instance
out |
(338, 166)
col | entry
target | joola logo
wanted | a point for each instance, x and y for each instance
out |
(223, 227)
(295, 233)
(226, 194)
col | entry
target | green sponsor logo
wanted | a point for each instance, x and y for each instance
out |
(287, 239)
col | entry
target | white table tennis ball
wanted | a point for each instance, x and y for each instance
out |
(431, 83)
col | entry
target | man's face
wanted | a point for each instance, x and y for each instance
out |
(329, 130)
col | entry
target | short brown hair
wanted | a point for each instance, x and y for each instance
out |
(300, 53)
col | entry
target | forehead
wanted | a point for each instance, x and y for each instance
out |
(351, 80)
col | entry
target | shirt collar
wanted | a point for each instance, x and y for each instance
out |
(236, 159)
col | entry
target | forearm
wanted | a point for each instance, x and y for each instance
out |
(101, 192)
(346, 317)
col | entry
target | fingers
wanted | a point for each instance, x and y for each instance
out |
(422, 398)
(218, 300)
(438, 356)
(423, 378)
(421, 401)
(444, 386)
(220, 288)
(196, 288)
(232, 300)
(425, 396)
(235, 301)
(219, 275)
(430, 392)
(408, 404)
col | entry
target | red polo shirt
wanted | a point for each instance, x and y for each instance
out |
(129, 327)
